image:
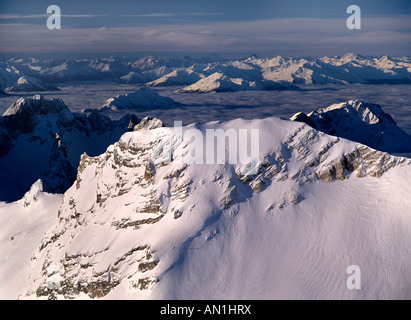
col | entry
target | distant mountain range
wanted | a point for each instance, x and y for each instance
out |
(160, 71)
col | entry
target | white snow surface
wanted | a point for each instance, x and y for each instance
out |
(135, 226)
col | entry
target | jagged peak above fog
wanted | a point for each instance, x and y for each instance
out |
(359, 121)
(37, 105)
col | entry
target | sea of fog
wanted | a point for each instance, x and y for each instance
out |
(394, 99)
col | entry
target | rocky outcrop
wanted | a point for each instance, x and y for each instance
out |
(148, 123)
(61, 174)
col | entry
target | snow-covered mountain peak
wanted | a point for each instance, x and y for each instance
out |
(181, 76)
(147, 62)
(367, 112)
(33, 194)
(36, 105)
(24, 80)
(253, 58)
(148, 123)
(129, 225)
(144, 97)
(363, 122)
(219, 82)
(351, 56)
(30, 84)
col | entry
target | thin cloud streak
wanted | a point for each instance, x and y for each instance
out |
(149, 15)
(153, 15)
(294, 37)
(46, 15)
(173, 14)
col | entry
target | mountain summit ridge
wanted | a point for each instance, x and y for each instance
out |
(135, 228)
(137, 225)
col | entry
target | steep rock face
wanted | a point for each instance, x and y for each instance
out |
(362, 122)
(61, 173)
(141, 223)
(53, 138)
(5, 141)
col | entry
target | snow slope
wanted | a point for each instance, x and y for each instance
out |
(137, 224)
(22, 226)
(362, 122)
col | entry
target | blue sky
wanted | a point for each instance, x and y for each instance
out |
(266, 27)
